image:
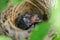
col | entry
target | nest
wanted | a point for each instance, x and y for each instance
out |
(9, 16)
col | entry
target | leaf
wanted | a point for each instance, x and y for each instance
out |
(3, 4)
(40, 31)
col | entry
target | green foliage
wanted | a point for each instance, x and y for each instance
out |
(56, 38)
(3, 4)
(40, 31)
(55, 17)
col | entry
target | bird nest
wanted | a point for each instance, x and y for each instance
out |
(9, 16)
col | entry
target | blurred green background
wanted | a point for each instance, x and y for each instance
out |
(4, 3)
(41, 29)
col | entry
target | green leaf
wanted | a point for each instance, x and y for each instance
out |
(3, 4)
(40, 31)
